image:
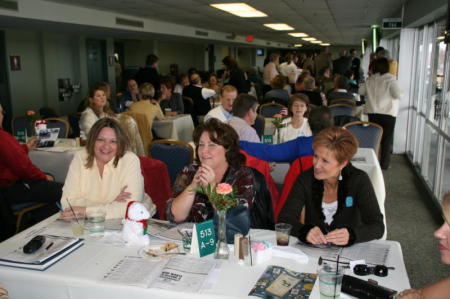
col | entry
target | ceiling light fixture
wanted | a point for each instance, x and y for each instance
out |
(315, 42)
(308, 39)
(298, 34)
(325, 44)
(239, 9)
(279, 26)
(298, 45)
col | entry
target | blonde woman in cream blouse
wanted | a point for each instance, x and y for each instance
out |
(104, 173)
(297, 124)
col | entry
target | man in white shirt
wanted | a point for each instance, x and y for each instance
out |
(223, 112)
(244, 112)
(200, 96)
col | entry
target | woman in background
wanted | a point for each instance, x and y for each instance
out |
(297, 124)
(98, 107)
(440, 289)
(104, 173)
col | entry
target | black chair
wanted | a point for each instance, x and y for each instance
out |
(63, 125)
(259, 125)
(21, 209)
(74, 121)
(175, 154)
(261, 214)
(22, 122)
(270, 109)
(341, 109)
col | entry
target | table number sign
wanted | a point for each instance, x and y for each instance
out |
(267, 139)
(21, 135)
(203, 239)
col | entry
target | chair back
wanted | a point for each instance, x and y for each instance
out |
(175, 154)
(21, 122)
(341, 109)
(20, 209)
(368, 134)
(259, 125)
(156, 183)
(188, 105)
(62, 124)
(343, 101)
(270, 109)
(74, 121)
(261, 214)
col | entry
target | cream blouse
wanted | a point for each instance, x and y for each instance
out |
(86, 183)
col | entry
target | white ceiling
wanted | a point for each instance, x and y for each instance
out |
(339, 22)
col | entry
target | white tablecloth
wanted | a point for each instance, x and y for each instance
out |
(55, 161)
(79, 274)
(179, 127)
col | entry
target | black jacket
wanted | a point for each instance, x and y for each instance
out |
(358, 209)
(262, 215)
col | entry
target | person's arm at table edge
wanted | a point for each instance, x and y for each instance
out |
(15, 156)
(283, 152)
(438, 290)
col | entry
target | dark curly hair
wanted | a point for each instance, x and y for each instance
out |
(222, 134)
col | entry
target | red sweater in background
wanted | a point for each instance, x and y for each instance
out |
(15, 164)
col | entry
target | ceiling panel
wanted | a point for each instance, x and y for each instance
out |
(340, 22)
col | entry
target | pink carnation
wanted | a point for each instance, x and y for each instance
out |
(224, 189)
(278, 116)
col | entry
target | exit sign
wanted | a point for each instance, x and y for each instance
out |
(392, 23)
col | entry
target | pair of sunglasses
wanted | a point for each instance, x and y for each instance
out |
(378, 270)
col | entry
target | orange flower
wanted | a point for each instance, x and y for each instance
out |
(30, 112)
(278, 116)
(224, 189)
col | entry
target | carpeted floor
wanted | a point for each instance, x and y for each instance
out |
(412, 220)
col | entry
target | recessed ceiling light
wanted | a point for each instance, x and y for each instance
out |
(298, 34)
(315, 42)
(239, 9)
(308, 39)
(279, 26)
(440, 37)
(325, 44)
(298, 45)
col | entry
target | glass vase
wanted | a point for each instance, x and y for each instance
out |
(222, 251)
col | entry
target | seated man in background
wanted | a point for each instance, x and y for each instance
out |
(244, 112)
(130, 96)
(223, 111)
(21, 181)
(200, 96)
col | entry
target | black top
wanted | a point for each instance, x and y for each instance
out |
(358, 209)
(150, 75)
(314, 97)
(175, 103)
(201, 105)
(237, 79)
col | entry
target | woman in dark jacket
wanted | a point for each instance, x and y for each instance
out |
(235, 76)
(333, 202)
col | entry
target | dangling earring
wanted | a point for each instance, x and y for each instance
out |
(340, 175)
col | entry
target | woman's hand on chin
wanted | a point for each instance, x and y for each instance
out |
(205, 175)
(338, 237)
(315, 236)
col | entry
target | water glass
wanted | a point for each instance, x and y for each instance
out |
(330, 280)
(283, 230)
(95, 216)
(186, 238)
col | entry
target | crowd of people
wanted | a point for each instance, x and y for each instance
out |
(332, 202)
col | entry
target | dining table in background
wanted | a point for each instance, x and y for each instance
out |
(80, 274)
(178, 127)
(55, 160)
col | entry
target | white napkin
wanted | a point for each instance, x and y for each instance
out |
(290, 253)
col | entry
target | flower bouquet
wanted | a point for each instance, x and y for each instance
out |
(222, 197)
(278, 124)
